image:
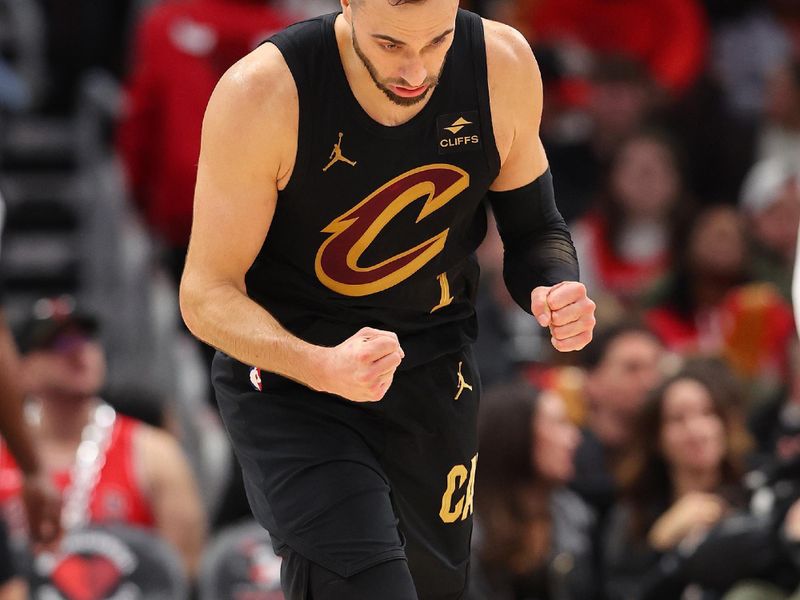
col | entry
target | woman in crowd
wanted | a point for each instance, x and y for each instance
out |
(533, 538)
(623, 245)
(682, 479)
(708, 305)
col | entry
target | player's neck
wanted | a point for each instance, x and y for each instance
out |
(372, 100)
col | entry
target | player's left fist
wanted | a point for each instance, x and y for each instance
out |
(567, 311)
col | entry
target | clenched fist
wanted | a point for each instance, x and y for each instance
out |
(362, 367)
(567, 311)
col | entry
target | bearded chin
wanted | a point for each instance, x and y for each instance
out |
(373, 73)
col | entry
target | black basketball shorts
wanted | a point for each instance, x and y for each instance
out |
(350, 485)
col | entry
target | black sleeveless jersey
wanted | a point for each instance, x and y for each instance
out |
(378, 225)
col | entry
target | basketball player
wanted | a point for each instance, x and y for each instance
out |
(339, 201)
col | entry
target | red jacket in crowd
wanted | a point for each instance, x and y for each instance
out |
(669, 36)
(182, 48)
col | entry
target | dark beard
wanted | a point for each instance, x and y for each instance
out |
(373, 73)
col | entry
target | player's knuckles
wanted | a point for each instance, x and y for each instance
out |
(585, 310)
(377, 392)
(564, 332)
(566, 315)
(393, 361)
(366, 331)
(569, 293)
(583, 340)
(539, 297)
(392, 335)
(363, 377)
(583, 325)
(587, 321)
(381, 346)
(363, 354)
(572, 343)
(375, 349)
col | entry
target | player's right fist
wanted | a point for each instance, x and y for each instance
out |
(362, 367)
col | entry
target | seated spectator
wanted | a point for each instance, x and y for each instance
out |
(706, 305)
(623, 245)
(585, 123)
(683, 477)
(623, 364)
(111, 469)
(533, 535)
(770, 201)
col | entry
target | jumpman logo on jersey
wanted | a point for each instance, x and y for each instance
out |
(337, 156)
(462, 384)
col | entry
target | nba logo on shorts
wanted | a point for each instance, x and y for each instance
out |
(255, 378)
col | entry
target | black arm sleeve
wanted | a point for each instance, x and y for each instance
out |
(538, 248)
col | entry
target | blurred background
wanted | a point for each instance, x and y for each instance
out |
(661, 462)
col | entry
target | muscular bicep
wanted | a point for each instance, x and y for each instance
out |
(516, 100)
(243, 159)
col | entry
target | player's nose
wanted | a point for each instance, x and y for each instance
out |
(414, 72)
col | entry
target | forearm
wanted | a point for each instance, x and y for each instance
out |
(538, 248)
(12, 422)
(224, 317)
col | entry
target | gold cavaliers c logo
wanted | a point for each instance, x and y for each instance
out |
(351, 234)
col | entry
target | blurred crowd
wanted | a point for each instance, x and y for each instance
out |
(660, 463)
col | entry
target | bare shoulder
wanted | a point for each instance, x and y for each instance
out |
(509, 58)
(254, 108)
(515, 84)
(261, 77)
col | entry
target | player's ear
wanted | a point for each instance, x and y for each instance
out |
(347, 10)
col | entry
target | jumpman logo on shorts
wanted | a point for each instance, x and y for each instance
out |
(337, 156)
(462, 385)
